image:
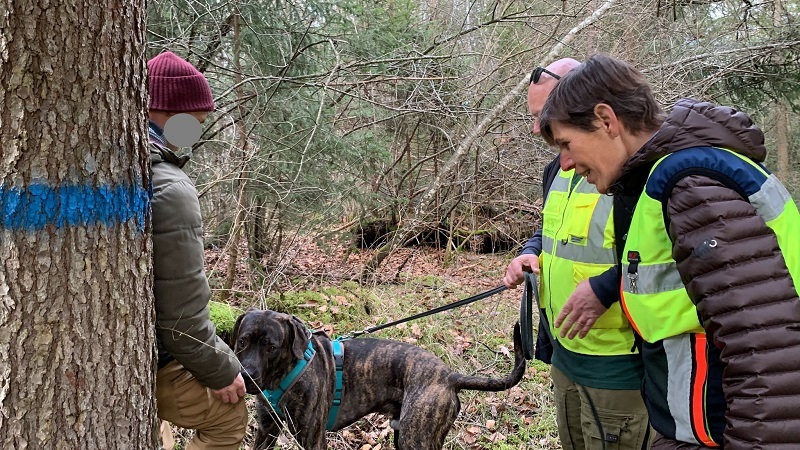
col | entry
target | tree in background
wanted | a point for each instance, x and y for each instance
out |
(76, 309)
(407, 113)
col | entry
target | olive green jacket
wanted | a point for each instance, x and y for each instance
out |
(183, 328)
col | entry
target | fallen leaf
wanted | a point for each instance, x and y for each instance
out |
(370, 438)
(496, 437)
(527, 420)
(342, 300)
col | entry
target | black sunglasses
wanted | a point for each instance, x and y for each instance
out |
(537, 73)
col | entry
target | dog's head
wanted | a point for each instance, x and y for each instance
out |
(268, 344)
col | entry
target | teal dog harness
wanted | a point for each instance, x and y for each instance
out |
(275, 395)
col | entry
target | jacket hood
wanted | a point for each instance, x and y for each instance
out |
(697, 124)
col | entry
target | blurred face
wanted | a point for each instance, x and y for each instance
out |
(180, 129)
(596, 156)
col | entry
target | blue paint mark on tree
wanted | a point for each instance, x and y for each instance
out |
(72, 205)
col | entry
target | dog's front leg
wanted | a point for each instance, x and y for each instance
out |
(312, 437)
(268, 429)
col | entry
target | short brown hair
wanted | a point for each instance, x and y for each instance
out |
(601, 79)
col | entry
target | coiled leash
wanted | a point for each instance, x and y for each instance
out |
(529, 291)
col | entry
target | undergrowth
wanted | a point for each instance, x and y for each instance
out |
(476, 339)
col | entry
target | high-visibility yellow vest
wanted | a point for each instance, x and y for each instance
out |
(578, 243)
(677, 355)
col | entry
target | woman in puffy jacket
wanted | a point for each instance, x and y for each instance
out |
(710, 259)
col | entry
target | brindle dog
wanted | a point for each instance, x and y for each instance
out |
(410, 385)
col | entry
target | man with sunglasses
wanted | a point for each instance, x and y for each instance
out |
(596, 377)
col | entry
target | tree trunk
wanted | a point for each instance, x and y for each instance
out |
(781, 114)
(77, 319)
(782, 139)
(240, 207)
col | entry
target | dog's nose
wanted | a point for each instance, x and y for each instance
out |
(249, 372)
(251, 377)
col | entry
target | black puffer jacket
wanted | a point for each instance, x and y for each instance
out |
(744, 293)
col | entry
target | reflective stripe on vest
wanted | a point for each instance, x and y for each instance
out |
(654, 297)
(578, 243)
(686, 358)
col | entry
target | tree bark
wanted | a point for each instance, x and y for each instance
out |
(782, 139)
(241, 190)
(77, 322)
(781, 113)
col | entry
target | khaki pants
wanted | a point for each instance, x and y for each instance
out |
(621, 414)
(188, 404)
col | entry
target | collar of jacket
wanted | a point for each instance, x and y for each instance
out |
(693, 123)
(156, 134)
(159, 152)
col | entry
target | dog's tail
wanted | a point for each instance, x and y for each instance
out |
(460, 381)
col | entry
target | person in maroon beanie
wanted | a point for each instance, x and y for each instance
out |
(198, 384)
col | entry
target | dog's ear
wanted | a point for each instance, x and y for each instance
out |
(301, 337)
(235, 333)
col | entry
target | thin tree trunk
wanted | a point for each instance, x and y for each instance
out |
(782, 138)
(241, 208)
(77, 345)
(781, 114)
(407, 228)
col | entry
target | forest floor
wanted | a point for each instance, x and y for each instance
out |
(317, 284)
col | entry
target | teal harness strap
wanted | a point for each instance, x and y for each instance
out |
(338, 358)
(274, 396)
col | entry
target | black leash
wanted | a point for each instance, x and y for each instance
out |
(463, 302)
(529, 292)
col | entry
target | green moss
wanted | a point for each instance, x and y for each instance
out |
(223, 315)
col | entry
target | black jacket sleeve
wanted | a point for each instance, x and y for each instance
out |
(606, 286)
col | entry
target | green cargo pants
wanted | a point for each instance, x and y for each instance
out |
(599, 419)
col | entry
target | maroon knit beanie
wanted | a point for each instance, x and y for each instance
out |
(176, 86)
